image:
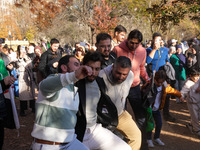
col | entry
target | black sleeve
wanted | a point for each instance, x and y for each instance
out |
(42, 64)
(4, 87)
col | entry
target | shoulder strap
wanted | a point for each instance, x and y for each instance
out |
(101, 84)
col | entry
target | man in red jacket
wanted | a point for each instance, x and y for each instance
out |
(132, 48)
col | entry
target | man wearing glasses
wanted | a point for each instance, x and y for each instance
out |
(132, 48)
(103, 45)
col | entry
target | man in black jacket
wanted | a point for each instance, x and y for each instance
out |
(96, 110)
(45, 66)
(103, 44)
(197, 65)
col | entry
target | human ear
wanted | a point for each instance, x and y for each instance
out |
(64, 68)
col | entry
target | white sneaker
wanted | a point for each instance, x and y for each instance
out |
(150, 143)
(159, 142)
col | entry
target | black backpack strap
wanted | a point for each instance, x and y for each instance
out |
(108, 118)
(101, 84)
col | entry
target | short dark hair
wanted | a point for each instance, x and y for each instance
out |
(160, 74)
(120, 29)
(102, 36)
(32, 44)
(156, 34)
(92, 56)
(194, 72)
(15, 64)
(135, 34)
(53, 41)
(63, 61)
(76, 43)
(123, 61)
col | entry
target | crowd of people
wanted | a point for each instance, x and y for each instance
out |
(82, 93)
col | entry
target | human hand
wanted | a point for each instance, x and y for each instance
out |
(190, 59)
(194, 51)
(9, 80)
(148, 81)
(55, 65)
(83, 71)
(182, 99)
(9, 66)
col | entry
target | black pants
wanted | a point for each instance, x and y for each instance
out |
(1, 134)
(166, 106)
(135, 100)
(167, 101)
(23, 105)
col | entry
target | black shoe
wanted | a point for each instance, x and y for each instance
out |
(169, 118)
(22, 113)
(190, 127)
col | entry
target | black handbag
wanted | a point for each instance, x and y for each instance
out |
(106, 109)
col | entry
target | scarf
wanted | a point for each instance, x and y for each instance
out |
(181, 57)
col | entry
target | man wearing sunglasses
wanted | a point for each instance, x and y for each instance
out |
(132, 48)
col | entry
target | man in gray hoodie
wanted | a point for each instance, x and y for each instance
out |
(118, 79)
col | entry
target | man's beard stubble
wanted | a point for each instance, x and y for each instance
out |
(91, 80)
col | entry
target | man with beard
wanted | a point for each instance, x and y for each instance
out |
(118, 79)
(57, 105)
(132, 48)
(88, 129)
(103, 45)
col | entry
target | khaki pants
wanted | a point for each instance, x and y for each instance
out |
(128, 128)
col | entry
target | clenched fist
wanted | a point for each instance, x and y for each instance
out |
(9, 80)
(83, 72)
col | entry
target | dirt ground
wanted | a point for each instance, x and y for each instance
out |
(175, 135)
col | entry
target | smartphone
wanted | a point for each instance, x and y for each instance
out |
(157, 41)
(82, 44)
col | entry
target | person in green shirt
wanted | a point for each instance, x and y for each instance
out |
(178, 61)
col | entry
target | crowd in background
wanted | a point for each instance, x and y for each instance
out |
(31, 65)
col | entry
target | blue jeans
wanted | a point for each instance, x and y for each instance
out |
(135, 101)
(158, 125)
(178, 86)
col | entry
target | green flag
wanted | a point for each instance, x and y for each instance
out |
(3, 70)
